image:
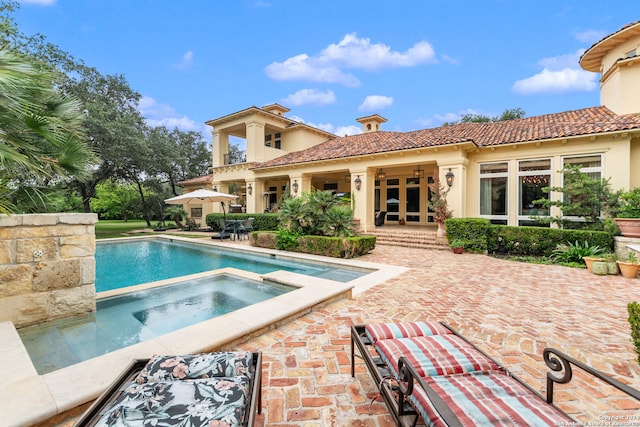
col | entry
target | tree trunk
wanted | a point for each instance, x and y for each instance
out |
(145, 208)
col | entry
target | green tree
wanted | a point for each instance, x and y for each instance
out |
(507, 114)
(177, 155)
(116, 201)
(583, 197)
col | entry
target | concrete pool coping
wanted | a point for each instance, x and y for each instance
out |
(27, 398)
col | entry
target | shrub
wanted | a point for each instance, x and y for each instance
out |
(345, 247)
(287, 240)
(541, 241)
(262, 221)
(634, 322)
(629, 204)
(574, 252)
(471, 230)
(263, 239)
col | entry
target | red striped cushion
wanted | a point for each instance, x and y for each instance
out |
(385, 331)
(435, 355)
(494, 399)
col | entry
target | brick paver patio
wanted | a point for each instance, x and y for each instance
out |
(511, 310)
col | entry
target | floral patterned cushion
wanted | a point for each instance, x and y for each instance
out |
(212, 402)
(192, 366)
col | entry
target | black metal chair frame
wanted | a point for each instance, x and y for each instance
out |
(106, 399)
(403, 413)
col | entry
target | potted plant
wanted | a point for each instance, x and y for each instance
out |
(458, 245)
(630, 267)
(628, 213)
(608, 265)
(438, 203)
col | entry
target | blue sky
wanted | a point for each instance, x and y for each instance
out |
(417, 63)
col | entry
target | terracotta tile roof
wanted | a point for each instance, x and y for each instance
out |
(586, 121)
(197, 180)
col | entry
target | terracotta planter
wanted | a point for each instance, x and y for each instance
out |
(629, 227)
(457, 250)
(628, 269)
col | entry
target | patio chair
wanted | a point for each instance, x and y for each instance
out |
(226, 230)
(246, 227)
(195, 389)
(379, 218)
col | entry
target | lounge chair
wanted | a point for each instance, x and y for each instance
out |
(194, 390)
(426, 370)
(379, 218)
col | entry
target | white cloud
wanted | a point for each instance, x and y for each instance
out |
(39, 2)
(560, 74)
(301, 67)
(348, 130)
(310, 96)
(329, 127)
(561, 62)
(186, 63)
(359, 53)
(351, 52)
(157, 114)
(590, 36)
(375, 102)
(548, 81)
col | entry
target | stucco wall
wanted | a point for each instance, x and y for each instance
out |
(47, 267)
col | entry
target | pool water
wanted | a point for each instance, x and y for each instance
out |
(128, 319)
(122, 264)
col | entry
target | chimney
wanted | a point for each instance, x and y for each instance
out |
(371, 123)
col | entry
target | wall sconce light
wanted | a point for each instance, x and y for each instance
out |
(449, 176)
(294, 186)
(249, 189)
(380, 175)
(358, 182)
(418, 173)
(215, 188)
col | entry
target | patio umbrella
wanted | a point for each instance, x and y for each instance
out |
(202, 195)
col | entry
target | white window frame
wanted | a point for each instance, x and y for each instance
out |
(592, 169)
(520, 174)
(504, 217)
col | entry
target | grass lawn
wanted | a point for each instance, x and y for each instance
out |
(106, 229)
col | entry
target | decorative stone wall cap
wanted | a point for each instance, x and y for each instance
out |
(48, 219)
(10, 221)
(79, 218)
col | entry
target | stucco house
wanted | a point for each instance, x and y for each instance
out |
(494, 170)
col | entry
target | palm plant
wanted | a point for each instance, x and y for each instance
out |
(39, 128)
(338, 222)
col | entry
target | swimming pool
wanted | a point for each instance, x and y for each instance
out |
(133, 317)
(125, 263)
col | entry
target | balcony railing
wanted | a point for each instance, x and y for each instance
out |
(232, 159)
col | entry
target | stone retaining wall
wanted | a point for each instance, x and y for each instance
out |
(47, 267)
(621, 246)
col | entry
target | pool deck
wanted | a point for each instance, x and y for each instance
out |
(31, 399)
(511, 310)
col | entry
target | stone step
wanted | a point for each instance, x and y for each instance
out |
(410, 239)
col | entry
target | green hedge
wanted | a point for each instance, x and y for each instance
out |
(472, 231)
(263, 221)
(336, 247)
(541, 241)
(481, 236)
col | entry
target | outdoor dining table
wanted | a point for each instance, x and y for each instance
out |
(236, 224)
